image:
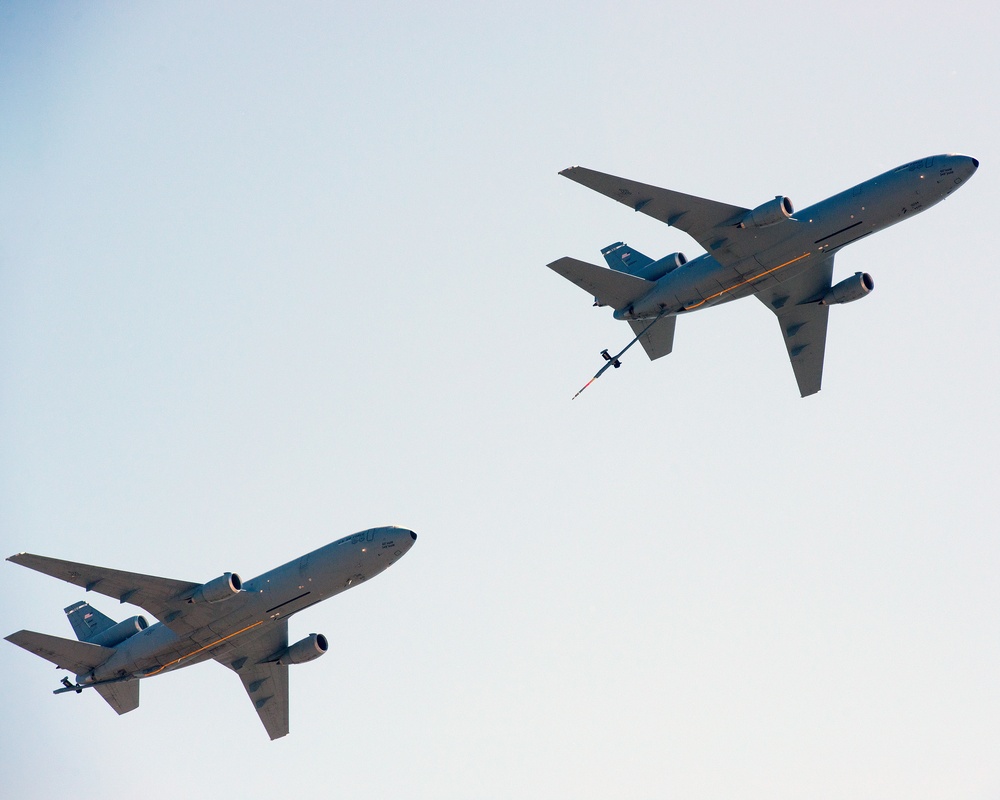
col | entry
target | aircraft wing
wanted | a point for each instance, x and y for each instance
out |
(164, 598)
(659, 339)
(710, 223)
(803, 321)
(266, 681)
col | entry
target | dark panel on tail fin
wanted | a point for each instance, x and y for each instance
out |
(87, 621)
(623, 258)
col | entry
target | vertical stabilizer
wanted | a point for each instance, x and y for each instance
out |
(87, 621)
(623, 258)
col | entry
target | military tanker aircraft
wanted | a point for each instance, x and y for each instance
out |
(783, 258)
(241, 624)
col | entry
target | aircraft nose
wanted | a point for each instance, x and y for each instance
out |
(967, 163)
(404, 532)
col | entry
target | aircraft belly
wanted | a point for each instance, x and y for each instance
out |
(720, 284)
(788, 273)
(129, 663)
(231, 623)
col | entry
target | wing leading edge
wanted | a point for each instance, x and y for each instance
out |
(803, 322)
(709, 222)
(164, 598)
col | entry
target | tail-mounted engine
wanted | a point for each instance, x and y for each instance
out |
(849, 289)
(217, 590)
(115, 635)
(770, 213)
(660, 267)
(312, 647)
(622, 258)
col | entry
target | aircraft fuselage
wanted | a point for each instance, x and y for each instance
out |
(785, 250)
(266, 599)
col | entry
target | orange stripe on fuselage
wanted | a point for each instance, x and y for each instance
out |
(202, 649)
(745, 282)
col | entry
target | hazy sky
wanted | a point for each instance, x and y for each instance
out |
(271, 274)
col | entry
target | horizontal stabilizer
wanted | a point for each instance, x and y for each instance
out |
(658, 340)
(122, 696)
(78, 657)
(611, 288)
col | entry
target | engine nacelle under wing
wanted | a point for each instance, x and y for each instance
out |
(850, 289)
(312, 647)
(117, 634)
(770, 213)
(219, 589)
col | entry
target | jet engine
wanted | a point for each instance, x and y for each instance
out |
(770, 213)
(313, 646)
(221, 588)
(656, 270)
(849, 289)
(117, 634)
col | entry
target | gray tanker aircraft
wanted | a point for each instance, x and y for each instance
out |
(241, 624)
(783, 258)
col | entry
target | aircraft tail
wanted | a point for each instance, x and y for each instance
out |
(79, 657)
(87, 621)
(609, 287)
(623, 258)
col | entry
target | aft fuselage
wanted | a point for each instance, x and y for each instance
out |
(756, 259)
(263, 601)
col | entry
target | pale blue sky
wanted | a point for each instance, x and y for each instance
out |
(272, 275)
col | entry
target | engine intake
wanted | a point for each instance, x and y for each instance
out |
(849, 289)
(117, 634)
(308, 649)
(217, 590)
(770, 213)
